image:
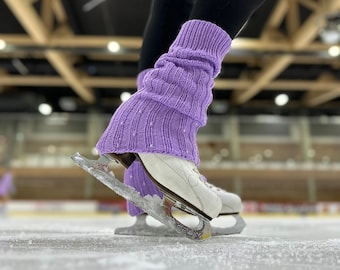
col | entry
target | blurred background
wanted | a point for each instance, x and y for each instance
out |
(274, 125)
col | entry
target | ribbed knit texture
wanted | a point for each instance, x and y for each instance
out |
(135, 175)
(164, 116)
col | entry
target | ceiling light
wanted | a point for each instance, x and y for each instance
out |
(330, 36)
(125, 96)
(334, 51)
(2, 44)
(330, 31)
(67, 104)
(219, 107)
(45, 109)
(281, 100)
(113, 46)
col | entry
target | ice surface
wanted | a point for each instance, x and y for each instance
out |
(42, 242)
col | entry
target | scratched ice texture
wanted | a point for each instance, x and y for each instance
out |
(59, 242)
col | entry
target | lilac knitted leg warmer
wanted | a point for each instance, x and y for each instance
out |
(135, 175)
(164, 116)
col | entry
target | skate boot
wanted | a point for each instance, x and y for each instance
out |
(228, 222)
(185, 190)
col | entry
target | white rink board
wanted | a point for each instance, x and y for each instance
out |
(61, 242)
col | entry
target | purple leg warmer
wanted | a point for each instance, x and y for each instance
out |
(164, 116)
(135, 175)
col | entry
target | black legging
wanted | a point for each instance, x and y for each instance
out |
(166, 17)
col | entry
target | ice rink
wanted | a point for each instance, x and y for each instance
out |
(88, 242)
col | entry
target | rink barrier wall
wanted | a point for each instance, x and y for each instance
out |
(92, 206)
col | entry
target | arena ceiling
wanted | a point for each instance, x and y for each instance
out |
(55, 51)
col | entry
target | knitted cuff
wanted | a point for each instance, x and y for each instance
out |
(205, 39)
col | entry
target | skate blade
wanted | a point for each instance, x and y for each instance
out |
(142, 228)
(152, 205)
(237, 228)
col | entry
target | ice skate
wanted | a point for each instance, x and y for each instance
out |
(158, 125)
(228, 222)
(154, 206)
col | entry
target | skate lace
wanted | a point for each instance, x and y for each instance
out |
(211, 186)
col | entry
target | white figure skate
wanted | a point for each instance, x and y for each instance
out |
(231, 206)
(201, 202)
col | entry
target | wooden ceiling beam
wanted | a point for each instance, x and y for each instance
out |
(275, 19)
(29, 19)
(47, 14)
(63, 28)
(134, 43)
(315, 98)
(95, 41)
(310, 4)
(305, 35)
(31, 80)
(34, 26)
(293, 17)
(130, 82)
(59, 11)
(260, 45)
(268, 73)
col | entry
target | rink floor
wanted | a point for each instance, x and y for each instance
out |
(88, 242)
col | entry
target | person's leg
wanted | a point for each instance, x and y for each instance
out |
(160, 122)
(165, 19)
(164, 116)
(230, 15)
(164, 22)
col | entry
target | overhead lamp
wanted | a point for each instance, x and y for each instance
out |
(219, 106)
(125, 96)
(281, 100)
(2, 44)
(67, 104)
(334, 51)
(45, 109)
(330, 32)
(113, 46)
